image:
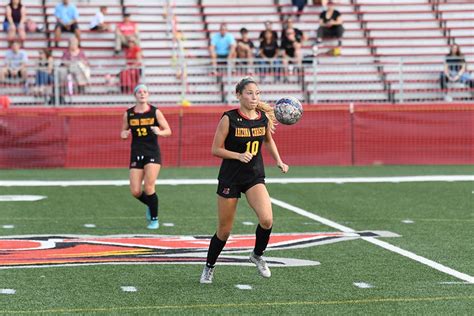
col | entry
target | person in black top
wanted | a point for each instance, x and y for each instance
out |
(238, 141)
(455, 68)
(15, 18)
(330, 24)
(299, 35)
(268, 55)
(291, 51)
(268, 27)
(145, 122)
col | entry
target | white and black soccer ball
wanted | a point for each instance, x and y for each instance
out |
(288, 110)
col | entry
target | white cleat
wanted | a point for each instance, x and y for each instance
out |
(261, 265)
(207, 275)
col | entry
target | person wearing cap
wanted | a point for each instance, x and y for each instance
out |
(124, 31)
(330, 24)
(145, 123)
(245, 50)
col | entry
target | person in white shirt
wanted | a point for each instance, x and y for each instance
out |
(98, 21)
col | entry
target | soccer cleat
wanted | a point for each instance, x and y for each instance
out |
(154, 224)
(207, 275)
(261, 265)
(148, 214)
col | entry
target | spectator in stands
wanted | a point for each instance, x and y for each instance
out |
(44, 73)
(124, 31)
(245, 49)
(268, 27)
(133, 54)
(455, 69)
(268, 55)
(16, 61)
(298, 7)
(75, 67)
(66, 15)
(222, 47)
(98, 21)
(15, 18)
(291, 51)
(330, 24)
(299, 35)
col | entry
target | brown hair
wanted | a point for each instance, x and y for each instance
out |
(261, 106)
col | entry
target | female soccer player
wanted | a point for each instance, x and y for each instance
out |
(238, 141)
(145, 122)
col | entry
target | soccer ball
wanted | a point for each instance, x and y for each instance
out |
(288, 110)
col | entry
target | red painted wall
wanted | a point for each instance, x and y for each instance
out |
(326, 135)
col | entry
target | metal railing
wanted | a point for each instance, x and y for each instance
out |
(315, 80)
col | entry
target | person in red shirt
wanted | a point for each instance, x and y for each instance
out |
(124, 31)
(133, 54)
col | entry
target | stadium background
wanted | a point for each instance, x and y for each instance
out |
(377, 104)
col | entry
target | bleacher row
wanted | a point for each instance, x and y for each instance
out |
(392, 50)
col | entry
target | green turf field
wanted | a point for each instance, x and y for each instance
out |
(435, 220)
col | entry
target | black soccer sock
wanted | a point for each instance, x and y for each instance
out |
(143, 198)
(262, 236)
(153, 205)
(215, 248)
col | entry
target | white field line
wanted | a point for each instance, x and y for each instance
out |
(375, 241)
(437, 178)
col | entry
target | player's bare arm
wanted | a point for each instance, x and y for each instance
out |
(164, 129)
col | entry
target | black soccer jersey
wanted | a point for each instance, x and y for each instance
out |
(144, 141)
(244, 135)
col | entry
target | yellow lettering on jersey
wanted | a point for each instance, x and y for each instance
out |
(134, 122)
(258, 131)
(242, 132)
(147, 121)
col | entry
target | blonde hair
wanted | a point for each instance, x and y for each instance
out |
(261, 106)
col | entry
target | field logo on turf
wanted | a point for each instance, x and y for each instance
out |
(74, 250)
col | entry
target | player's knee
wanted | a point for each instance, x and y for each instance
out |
(136, 192)
(266, 223)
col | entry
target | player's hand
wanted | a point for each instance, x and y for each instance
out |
(125, 134)
(245, 157)
(155, 130)
(283, 167)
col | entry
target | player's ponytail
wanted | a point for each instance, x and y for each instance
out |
(265, 107)
(262, 106)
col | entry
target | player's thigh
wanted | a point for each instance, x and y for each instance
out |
(136, 178)
(259, 200)
(152, 170)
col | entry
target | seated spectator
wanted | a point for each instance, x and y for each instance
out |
(291, 51)
(124, 31)
(15, 18)
(98, 21)
(268, 55)
(222, 47)
(299, 35)
(66, 15)
(15, 63)
(330, 24)
(133, 54)
(75, 67)
(298, 7)
(245, 48)
(268, 27)
(455, 69)
(44, 73)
